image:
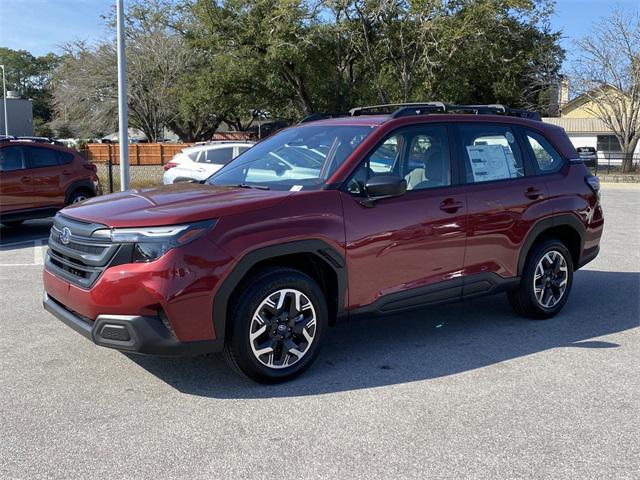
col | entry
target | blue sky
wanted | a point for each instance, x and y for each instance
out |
(41, 26)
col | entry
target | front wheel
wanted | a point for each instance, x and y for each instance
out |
(276, 327)
(545, 283)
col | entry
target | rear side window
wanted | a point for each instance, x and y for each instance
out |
(194, 155)
(64, 158)
(11, 159)
(42, 157)
(218, 156)
(491, 152)
(546, 157)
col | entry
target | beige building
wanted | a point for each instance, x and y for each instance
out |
(579, 119)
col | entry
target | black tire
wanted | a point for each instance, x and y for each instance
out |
(238, 347)
(524, 300)
(12, 223)
(79, 195)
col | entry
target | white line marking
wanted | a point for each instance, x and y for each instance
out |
(18, 265)
(2, 245)
(38, 253)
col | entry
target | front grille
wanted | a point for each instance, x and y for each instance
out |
(83, 258)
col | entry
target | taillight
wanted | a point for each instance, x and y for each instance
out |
(91, 167)
(169, 165)
(594, 184)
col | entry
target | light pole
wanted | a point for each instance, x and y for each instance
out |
(4, 97)
(122, 100)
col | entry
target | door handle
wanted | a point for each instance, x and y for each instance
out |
(66, 172)
(25, 179)
(533, 193)
(450, 205)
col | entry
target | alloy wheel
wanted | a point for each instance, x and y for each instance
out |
(550, 279)
(283, 328)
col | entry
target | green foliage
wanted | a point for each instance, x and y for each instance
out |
(194, 64)
(31, 77)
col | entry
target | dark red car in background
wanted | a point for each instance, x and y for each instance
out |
(366, 214)
(39, 178)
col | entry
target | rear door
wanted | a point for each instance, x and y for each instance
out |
(16, 183)
(504, 199)
(407, 250)
(48, 176)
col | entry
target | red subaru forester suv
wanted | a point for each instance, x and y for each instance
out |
(365, 214)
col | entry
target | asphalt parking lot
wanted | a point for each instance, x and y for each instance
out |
(460, 391)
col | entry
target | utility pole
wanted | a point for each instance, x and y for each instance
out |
(4, 96)
(123, 121)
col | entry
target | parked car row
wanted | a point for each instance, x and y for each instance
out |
(39, 176)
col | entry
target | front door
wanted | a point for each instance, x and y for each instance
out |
(16, 183)
(407, 250)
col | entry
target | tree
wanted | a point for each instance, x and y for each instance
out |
(86, 82)
(30, 76)
(607, 72)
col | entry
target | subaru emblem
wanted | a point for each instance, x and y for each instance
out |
(65, 236)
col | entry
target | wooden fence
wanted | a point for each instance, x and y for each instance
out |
(139, 153)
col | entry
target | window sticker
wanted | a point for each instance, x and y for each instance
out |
(509, 136)
(490, 162)
(296, 188)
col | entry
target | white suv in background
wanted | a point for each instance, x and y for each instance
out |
(201, 161)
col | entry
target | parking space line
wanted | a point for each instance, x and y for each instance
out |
(23, 242)
(38, 253)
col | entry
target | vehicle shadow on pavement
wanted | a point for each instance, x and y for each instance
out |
(427, 344)
(25, 235)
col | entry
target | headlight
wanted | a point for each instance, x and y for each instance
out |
(150, 243)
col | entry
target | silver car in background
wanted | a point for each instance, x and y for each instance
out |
(201, 161)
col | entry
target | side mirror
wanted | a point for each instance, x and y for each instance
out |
(383, 186)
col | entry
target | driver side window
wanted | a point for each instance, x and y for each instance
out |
(382, 161)
(420, 155)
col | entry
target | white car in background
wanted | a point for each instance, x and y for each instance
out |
(201, 161)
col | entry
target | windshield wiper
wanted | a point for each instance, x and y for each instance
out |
(245, 185)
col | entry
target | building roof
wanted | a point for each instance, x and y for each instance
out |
(579, 125)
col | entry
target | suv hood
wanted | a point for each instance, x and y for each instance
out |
(172, 204)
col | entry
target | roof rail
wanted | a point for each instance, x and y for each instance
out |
(389, 108)
(490, 109)
(321, 116)
(13, 138)
(397, 110)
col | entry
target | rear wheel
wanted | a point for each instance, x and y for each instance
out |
(79, 196)
(276, 326)
(546, 281)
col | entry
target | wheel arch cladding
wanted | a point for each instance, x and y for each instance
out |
(315, 258)
(566, 228)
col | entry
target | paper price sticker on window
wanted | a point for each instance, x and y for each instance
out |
(489, 162)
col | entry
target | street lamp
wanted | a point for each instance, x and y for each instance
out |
(4, 96)
(261, 114)
(122, 100)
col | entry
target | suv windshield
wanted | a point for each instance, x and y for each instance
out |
(296, 158)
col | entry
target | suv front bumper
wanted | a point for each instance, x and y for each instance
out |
(130, 333)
